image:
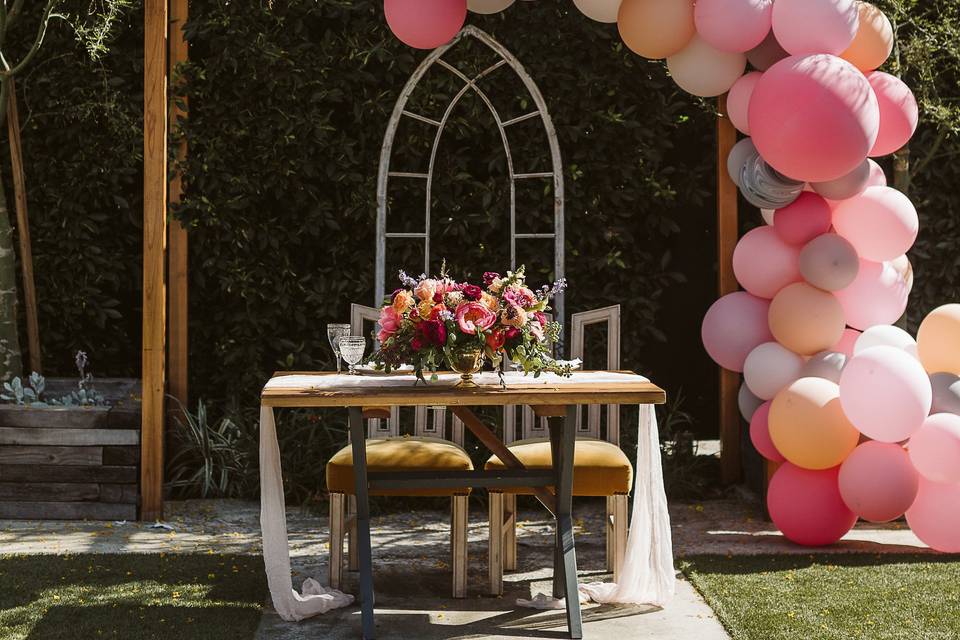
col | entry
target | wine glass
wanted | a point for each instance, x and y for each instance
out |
(334, 333)
(352, 348)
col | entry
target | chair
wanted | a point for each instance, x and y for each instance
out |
(388, 450)
(601, 468)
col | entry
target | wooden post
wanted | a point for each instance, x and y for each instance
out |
(727, 235)
(23, 229)
(177, 357)
(154, 255)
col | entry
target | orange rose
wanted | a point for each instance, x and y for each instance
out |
(489, 301)
(402, 301)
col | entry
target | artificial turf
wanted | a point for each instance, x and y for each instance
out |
(832, 596)
(130, 596)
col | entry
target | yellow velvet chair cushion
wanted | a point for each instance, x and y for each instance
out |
(600, 468)
(400, 454)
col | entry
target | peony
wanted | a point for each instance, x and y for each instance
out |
(489, 301)
(513, 315)
(471, 292)
(389, 321)
(402, 301)
(425, 289)
(521, 296)
(432, 332)
(473, 317)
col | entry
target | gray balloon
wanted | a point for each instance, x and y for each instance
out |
(765, 187)
(767, 53)
(829, 262)
(845, 186)
(747, 402)
(738, 155)
(826, 364)
(946, 393)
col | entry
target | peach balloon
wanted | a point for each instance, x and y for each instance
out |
(846, 343)
(878, 482)
(878, 295)
(829, 262)
(733, 327)
(656, 28)
(767, 53)
(806, 505)
(935, 448)
(738, 101)
(733, 25)
(881, 223)
(934, 516)
(599, 10)
(769, 368)
(702, 70)
(805, 319)
(760, 434)
(938, 340)
(425, 24)
(804, 27)
(874, 40)
(803, 219)
(486, 7)
(763, 263)
(808, 425)
(899, 113)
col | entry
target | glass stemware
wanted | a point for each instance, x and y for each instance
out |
(334, 333)
(352, 348)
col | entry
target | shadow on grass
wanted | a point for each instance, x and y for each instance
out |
(766, 563)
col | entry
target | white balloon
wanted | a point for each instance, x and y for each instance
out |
(705, 71)
(599, 10)
(488, 6)
(747, 402)
(885, 335)
(737, 156)
(826, 364)
(946, 393)
(770, 368)
(768, 215)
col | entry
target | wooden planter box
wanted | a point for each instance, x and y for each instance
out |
(70, 463)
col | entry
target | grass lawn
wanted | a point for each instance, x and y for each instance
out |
(831, 597)
(130, 596)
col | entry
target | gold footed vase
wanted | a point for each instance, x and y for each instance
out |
(466, 363)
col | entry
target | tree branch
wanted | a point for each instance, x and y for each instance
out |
(41, 34)
(14, 12)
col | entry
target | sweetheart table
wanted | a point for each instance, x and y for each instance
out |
(549, 395)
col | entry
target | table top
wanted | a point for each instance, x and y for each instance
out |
(323, 389)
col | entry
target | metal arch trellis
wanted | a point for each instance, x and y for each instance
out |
(399, 111)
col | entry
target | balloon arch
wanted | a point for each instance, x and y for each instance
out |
(862, 417)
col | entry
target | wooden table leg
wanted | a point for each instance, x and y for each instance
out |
(358, 442)
(567, 566)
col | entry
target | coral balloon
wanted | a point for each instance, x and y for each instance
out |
(733, 327)
(808, 426)
(656, 28)
(938, 340)
(733, 25)
(599, 10)
(737, 157)
(738, 100)
(760, 434)
(747, 402)
(805, 319)
(934, 516)
(885, 393)
(703, 70)
(806, 505)
(878, 482)
(878, 295)
(763, 263)
(829, 262)
(880, 223)
(769, 368)
(767, 53)
(946, 393)
(898, 113)
(425, 24)
(804, 27)
(874, 40)
(935, 448)
(884, 335)
(846, 343)
(803, 219)
(846, 186)
(814, 118)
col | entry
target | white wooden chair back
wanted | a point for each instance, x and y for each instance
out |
(530, 425)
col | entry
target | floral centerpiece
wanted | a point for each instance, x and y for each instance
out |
(433, 323)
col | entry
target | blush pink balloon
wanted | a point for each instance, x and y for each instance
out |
(733, 327)
(877, 176)
(806, 505)
(813, 118)
(764, 264)
(878, 482)
(934, 516)
(803, 219)
(935, 448)
(878, 295)
(815, 26)
(760, 434)
(898, 112)
(881, 223)
(846, 343)
(885, 393)
(738, 100)
(733, 25)
(425, 24)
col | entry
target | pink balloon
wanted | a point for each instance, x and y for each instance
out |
(846, 343)
(935, 448)
(760, 434)
(877, 481)
(877, 177)
(815, 26)
(898, 112)
(806, 505)
(814, 118)
(764, 264)
(885, 393)
(934, 516)
(881, 223)
(425, 24)
(733, 327)
(733, 25)
(878, 295)
(803, 219)
(738, 100)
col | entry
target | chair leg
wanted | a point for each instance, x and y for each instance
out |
(335, 569)
(495, 540)
(353, 558)
(510, 532)
(458, 544)
(608, 533)
(620, 508)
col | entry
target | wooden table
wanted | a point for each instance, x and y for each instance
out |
(550, 396)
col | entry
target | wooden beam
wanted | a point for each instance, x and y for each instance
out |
(23, 230)
(154, 255)
(727, 235)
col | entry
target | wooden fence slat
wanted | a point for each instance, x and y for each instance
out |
(67, 511)
(54, 417)
(20, 455)
(118, 493)
(68, 437)
(49, 491)
(67, 473)
(121, 455)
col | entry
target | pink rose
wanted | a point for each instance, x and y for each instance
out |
(390, 320)
(473, 317)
